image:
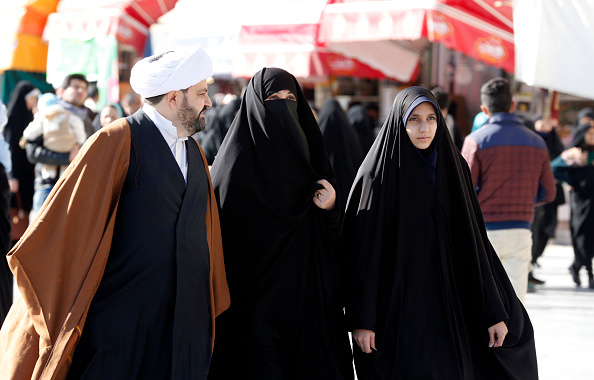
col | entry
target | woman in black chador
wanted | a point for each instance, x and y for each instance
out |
(545, 216)
(575, 166)
(279, 218)
(343, 147)
(427, 297)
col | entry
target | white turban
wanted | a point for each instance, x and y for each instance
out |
(171, 71)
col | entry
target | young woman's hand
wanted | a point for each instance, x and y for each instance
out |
(325, 198)
(365, 340)
(497, 334)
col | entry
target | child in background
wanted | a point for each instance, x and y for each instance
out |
(61, 131)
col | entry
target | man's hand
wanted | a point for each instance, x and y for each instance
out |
(325, 198)
(365, 340)
(497, 334)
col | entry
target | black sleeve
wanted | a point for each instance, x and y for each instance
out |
(36, 153)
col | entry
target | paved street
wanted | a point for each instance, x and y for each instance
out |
(563, 317)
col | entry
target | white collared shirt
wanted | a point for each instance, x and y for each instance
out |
(169, 132)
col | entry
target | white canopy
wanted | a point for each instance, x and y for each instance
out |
(554, 44)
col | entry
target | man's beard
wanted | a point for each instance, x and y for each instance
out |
(190, 119)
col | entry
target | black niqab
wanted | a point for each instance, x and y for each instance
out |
(285, 317)
(275, 80)
(421, 272)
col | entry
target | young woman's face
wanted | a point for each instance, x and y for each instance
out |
(422, 125)
(589, 137)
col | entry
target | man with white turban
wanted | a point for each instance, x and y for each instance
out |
(122, 272)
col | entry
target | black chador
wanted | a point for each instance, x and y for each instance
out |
(150, 314)
(285, 319)
(422, 274)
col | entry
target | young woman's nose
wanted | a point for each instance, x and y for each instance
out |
(424, 127)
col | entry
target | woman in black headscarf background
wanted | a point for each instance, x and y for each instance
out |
(22, 103)
(21, 107)
(212, 137)
(575, 166)
(342, 145)
(545, 216)
(279, 218)
(427, 296)
(584, 116)
(361, 121)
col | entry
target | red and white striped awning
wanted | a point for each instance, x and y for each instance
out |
(293, 47)
(128, 20)
(372, 30)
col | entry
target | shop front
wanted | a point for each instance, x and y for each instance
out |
(102, 40)
(456, 45)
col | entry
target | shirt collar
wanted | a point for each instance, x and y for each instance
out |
(167, 129)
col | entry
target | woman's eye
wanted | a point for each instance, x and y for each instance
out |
(292, 97)
(272, 97)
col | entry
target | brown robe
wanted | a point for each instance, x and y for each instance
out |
(59, 262)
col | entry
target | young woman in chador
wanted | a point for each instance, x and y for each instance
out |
(427, 297)
(279, 218)
(575, 166)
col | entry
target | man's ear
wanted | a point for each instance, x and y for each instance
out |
(485, 110)
(59, 91)
(512, 108)
(174, 99)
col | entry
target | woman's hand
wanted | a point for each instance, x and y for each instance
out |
(497, 334)
(365, 340)
(575, 157)
(13, 184)
(325, 198)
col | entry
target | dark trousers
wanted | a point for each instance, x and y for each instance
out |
(543, 228)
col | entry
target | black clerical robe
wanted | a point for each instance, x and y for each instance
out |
(60, 263)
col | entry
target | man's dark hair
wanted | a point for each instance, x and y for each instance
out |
(442, 97)
(69, 78)
(153, 100)
(496, 95)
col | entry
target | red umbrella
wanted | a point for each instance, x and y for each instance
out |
(390, 34)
